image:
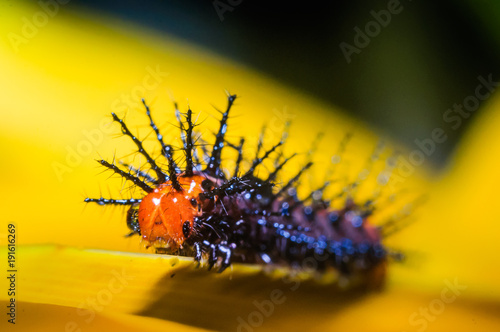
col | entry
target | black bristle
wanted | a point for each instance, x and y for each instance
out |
(239, 148)
(257, 161)
(273, 174)
(161, 176)
(110, 201)
(213, 167)
(135, 180)
(188, 144)
(293, 180)
(172, 169)
(140, 174)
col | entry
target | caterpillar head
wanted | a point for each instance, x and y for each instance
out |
(165, 216)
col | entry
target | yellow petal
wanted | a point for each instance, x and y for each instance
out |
(457, 231)
(49, 317)
(61, 85)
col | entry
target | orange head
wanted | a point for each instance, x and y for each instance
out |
(167, 215)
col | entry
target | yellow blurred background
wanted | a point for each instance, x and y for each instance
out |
(60, 79)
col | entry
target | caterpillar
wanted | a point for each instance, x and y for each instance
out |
(200, 212)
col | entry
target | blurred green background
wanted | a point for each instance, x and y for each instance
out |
(426, 59)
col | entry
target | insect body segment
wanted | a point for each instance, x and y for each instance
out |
(164, 213)
(199, 213)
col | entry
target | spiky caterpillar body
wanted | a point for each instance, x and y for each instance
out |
(199, 213)
(256, 226)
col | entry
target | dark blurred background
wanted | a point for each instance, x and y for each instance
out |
(425, 60)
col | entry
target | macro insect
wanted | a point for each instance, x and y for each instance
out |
(200, 212)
